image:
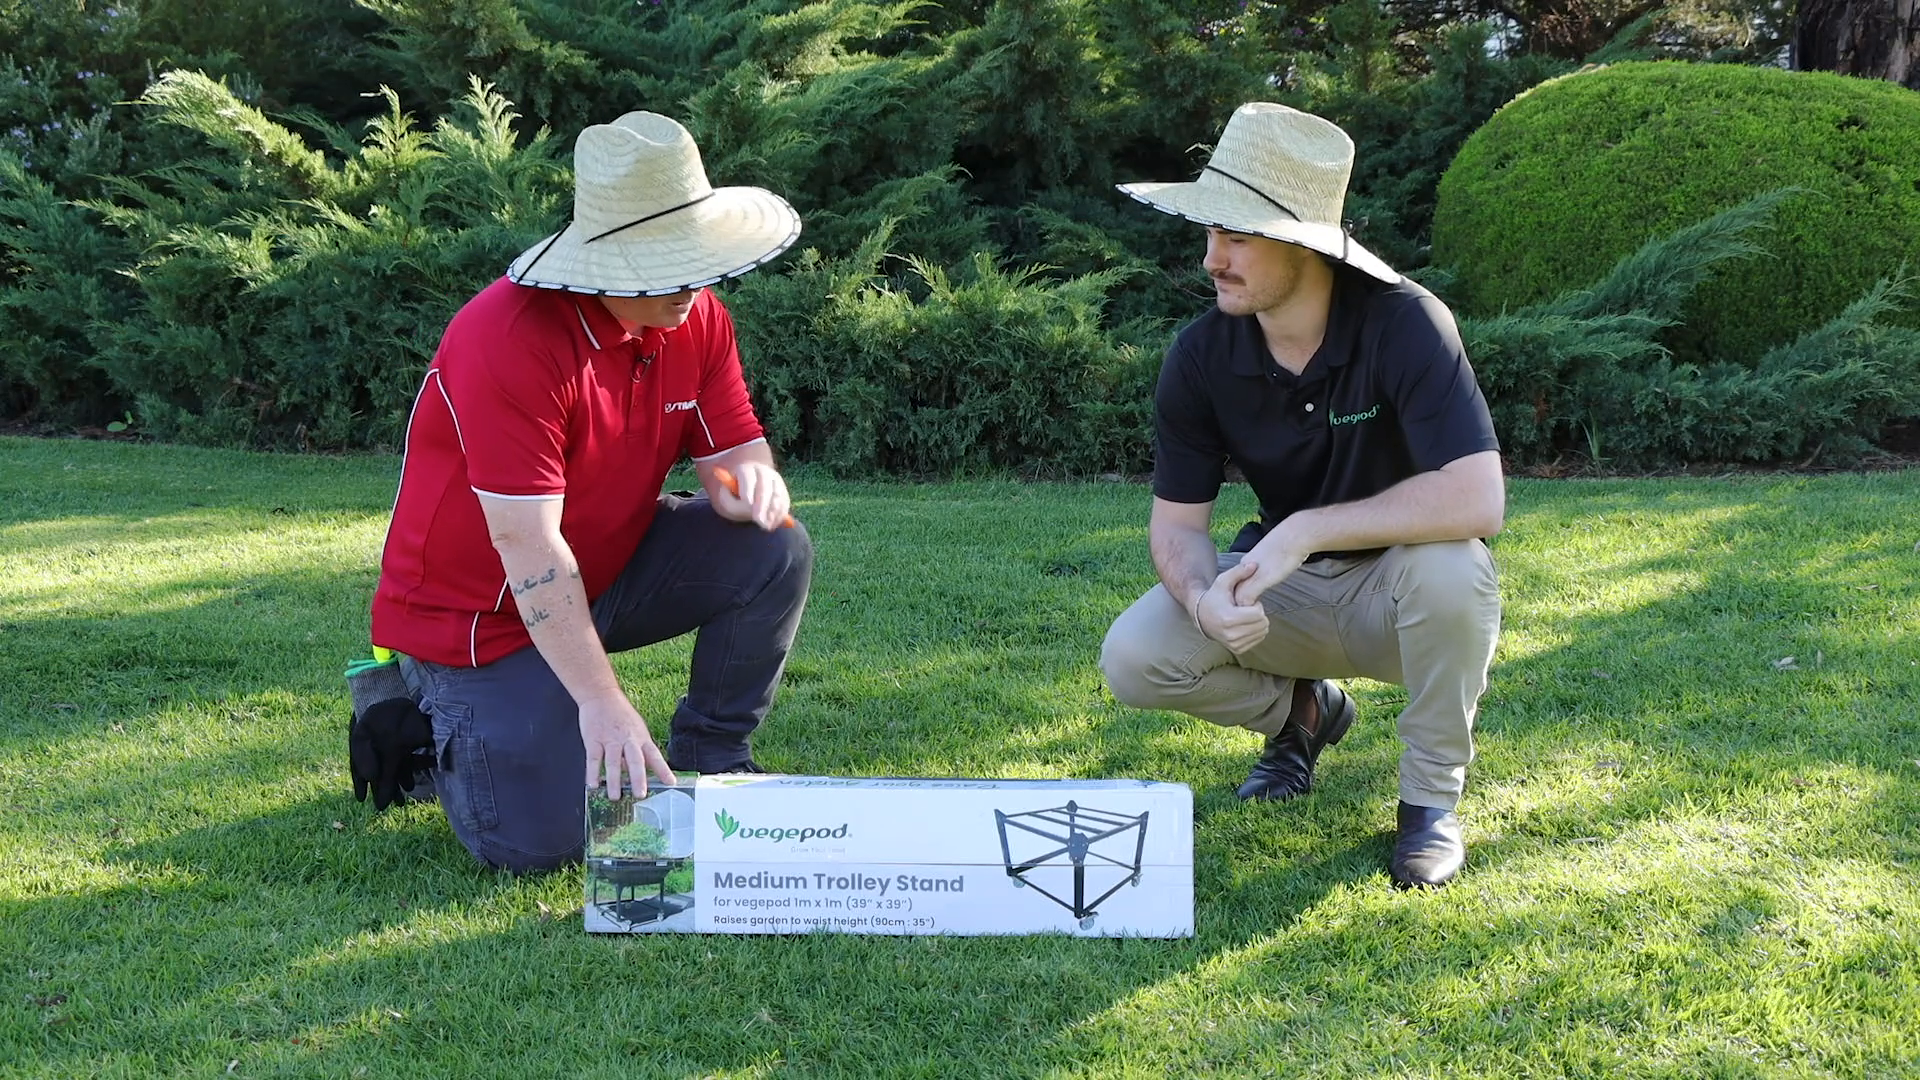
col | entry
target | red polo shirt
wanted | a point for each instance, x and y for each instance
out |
(539, 394)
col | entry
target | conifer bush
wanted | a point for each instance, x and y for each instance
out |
(283, 278)
(1405, 133)
(1584, 375)
(286, 300)
(51, 291)
(1583, 170)
(218, 221)
(984, 369)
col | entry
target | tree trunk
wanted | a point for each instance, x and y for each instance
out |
(1874, 39)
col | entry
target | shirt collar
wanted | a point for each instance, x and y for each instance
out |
(603, 331)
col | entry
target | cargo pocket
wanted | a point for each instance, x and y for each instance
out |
(465, 784)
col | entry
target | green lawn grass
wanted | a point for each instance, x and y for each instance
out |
(1690, 856)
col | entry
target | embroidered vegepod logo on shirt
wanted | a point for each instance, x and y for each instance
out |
(731, 827)
(1354, 418)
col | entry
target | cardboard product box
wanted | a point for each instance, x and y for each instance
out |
(751, 854)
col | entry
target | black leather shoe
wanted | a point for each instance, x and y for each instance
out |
(1428, 850)
(1285, 768)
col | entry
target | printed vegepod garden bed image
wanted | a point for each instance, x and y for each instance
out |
(639, 860)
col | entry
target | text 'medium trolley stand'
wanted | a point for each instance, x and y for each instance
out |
(1077, 829)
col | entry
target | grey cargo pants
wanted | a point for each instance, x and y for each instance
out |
(510, 767)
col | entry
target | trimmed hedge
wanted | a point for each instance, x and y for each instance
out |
(1582, 170)
(1585, 376)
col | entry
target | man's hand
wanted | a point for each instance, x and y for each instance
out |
(617, 739)
(1224, 618)
(1277, 555)
(758, 495)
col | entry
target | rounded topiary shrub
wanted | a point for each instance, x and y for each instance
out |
(1582, 170)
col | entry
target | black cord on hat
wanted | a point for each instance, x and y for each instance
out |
(528, 269)
(1277, 204)
(650, 217)
(1346, 235)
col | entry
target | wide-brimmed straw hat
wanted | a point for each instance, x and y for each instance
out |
(647, 223)
(1276, 172)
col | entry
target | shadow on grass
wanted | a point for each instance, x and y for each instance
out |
(1616, 729)
(253, 929)
(202, 639)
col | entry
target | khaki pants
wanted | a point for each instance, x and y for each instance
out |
(1424, 616)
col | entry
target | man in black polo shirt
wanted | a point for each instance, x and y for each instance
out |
(1341, 392)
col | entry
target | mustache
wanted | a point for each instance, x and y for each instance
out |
(1226, 279)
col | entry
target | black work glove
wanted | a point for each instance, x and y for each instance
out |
(388, 744)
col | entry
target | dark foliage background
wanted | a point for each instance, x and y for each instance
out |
(246, 223)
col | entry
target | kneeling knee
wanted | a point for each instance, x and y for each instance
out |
(517, 862)
(1128, 671)
(1451, 575)
(539, 838)
(790, 551)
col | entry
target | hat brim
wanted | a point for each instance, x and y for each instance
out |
(1248, 213)
(732, 231)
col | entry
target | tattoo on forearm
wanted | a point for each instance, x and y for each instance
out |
(532, 582)
(535, 617)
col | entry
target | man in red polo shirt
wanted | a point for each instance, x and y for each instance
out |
(530, 538)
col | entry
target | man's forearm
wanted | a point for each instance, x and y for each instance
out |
(1444, 504)
(545, 582)
(1186, 561)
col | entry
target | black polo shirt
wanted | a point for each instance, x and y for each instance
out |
(1387, 395)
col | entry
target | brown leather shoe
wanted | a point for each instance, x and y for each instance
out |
(1428, 850)
(1321, 714)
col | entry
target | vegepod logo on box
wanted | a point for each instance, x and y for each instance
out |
(730, 827)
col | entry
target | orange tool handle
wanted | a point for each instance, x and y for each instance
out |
(727, 481)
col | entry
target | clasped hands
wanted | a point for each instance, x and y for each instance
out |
(1230, 611)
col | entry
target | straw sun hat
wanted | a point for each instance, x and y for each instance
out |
(647, 223)
(1276, 172)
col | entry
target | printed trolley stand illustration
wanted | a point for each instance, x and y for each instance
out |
(1075, 849)
(640, 861)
